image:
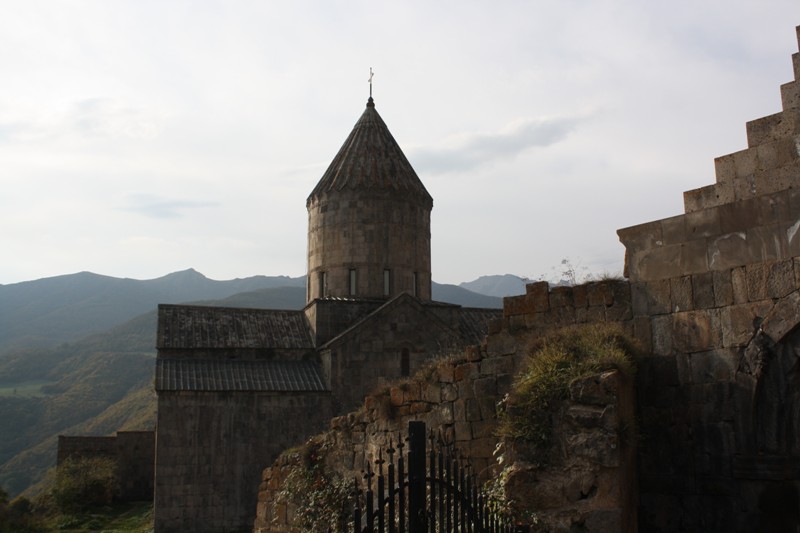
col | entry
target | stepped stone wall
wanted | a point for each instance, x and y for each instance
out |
(714, 295)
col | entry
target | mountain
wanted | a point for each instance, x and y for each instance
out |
(499, 286)
(50, 311)
(65, 382)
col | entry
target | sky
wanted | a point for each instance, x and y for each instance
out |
(142, 137)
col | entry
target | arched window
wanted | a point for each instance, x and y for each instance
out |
(405, 363)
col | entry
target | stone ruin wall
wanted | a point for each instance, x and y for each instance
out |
(133, 451)
(459, 397)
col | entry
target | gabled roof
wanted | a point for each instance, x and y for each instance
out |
(474, 322)
(194, 326)
(385, 310)
(371, 160)
(238, 375)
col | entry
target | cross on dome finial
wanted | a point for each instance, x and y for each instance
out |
(370, 81)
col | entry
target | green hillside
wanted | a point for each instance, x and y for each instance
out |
(102, 382)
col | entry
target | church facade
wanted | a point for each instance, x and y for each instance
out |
(237, 386)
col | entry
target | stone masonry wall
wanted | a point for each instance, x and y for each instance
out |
(212, 447)
(457, 396)
(714, 296)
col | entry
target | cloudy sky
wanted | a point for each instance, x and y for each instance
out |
(138, 138)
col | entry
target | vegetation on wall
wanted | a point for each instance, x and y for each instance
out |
(553, 363)
(320, 499)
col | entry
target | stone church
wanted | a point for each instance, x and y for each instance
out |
(237, 386)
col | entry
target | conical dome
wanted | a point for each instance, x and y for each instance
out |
(369, 220)
(371, 160)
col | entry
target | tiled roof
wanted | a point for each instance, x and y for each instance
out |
(191, 326)
(237, 375)
(371, 160)
(474, 322)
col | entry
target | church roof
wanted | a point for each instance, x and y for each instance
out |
(194, 326)
(474, 323)
(371, 160)
(238, 375)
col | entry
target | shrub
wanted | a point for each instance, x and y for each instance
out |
(84, 483)
(553, 363)
(321, 499)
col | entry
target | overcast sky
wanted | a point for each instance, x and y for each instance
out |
(138, 138)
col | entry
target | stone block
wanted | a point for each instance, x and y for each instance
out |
(757, 275)
(673, 229)
(739, 285)
(661, 328)
(739, 216)
(746, 162)
(598, 389)
(621, 291)
(713, 366)
(698, 199)
(602, 520)
(681, 293)
(766, 130)
(775, 180)
(725, 168)
(580, 297)
(780, 280)
(431, 393)
(642, 332)
(723, 288)
(658, 297)
(744, 188)
(488, 406)
(703, 290)
(497, 365)
(466, 371)
(694, 257)
(639, 300)
(642, 236)
(692, 332)
(485, 387)
(797, 271)
(561, 297)
(537, 297)
(658, 263)
(790, 95)
(728, 251)
(783, 318)
(463, 431)
(466, 409)
(483, 429)
(514, 305)
(775, 208)
(702, 224)
(796, 66)
(740, 322)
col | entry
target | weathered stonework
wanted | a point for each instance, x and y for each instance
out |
(459, 397)
(716, 299)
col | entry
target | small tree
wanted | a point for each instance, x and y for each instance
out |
(83, 483)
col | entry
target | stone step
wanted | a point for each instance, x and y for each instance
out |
(790, 95)
(773, 127)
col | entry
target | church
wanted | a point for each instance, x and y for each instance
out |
(237, 386)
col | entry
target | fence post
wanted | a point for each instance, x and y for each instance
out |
(416, 477)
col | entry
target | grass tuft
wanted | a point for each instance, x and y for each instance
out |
(553, 363)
